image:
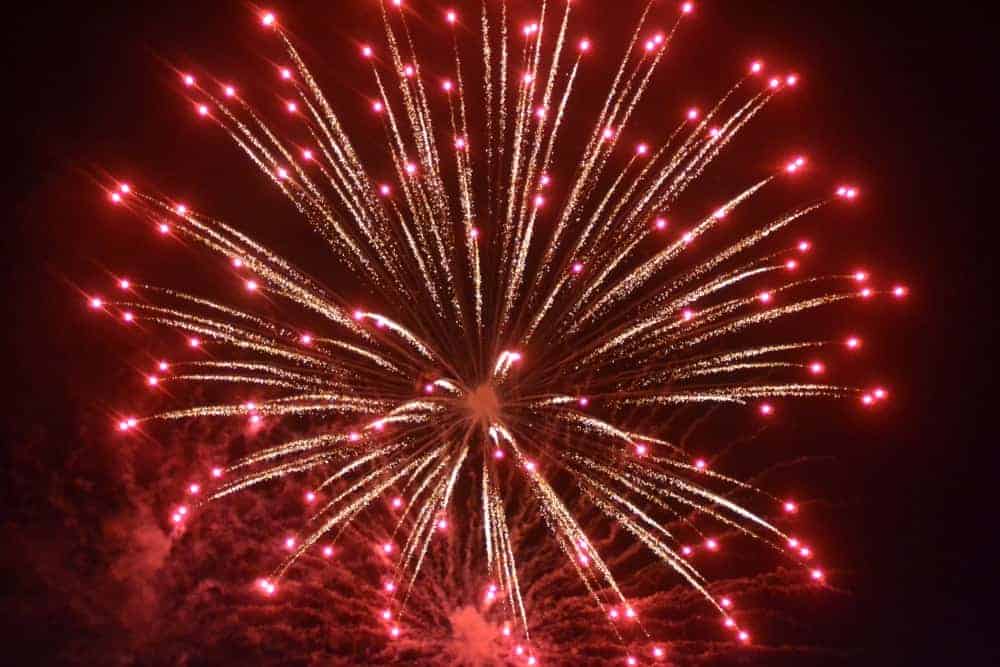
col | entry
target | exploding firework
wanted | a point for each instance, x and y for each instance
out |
(529, 333)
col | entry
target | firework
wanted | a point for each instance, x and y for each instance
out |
(524, 325)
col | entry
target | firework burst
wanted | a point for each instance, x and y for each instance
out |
(526, 327)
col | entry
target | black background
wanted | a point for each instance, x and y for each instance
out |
(895, 94)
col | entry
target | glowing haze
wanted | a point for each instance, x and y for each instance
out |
(531, 325)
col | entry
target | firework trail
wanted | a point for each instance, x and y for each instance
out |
(528, 333)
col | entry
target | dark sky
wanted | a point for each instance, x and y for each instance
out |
(896, 94)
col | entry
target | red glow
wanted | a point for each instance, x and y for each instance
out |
(384, 190)
(498, 454)
(115, 197)
(387, 548)
(711, 544)
(577, 267)
(202, 110)
(583, 401)
(267, 19)
(693, 114)
(658, 652)
(790, 507)
(660, 223)
(306, 339)
(450, 16)
(641, 149)
(700, 464)
(766, 409)
(817, 575)
(181, 209)
(817, 368)
(641, 449)
(756, 67)
(408, 71)
(744, 636)
(774, 83)
(853, 343)
(584, 45)
(792, 264)
(152, 380)
(539, 201)
(804, 246)
(310, 497)
(216, 473)
(194, 489)
(366, 51)
(397, 502)
(726, 603)
(899, 291)
(96, 302)
(163, 366)
(687, 8)
(229, 91)
(128, 316)
(686, 550)
(327, 551)
(792, 79)
(188, 80)
(286, 73)
(764, 297)
(292, 107)
(194, 342)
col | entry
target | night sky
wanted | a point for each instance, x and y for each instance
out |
(895, 97)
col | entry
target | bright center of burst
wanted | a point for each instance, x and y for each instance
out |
(483, 404)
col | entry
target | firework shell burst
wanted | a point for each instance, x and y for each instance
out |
(528, 330)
